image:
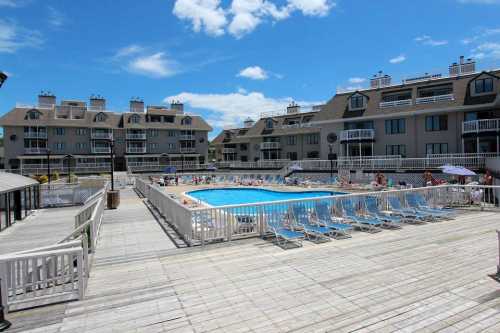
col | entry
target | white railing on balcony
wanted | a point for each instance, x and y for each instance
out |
(136, 136)
(483, 125)
(34, 106)
(391, 104)
(188, 150)
(269, 145)
(186, 137)
(298, 125)
(35, 135)
(101, 150)
(102, 135)
(357, 134)
(136, 150)
(435, 99)
(229, 150)
(35, 150)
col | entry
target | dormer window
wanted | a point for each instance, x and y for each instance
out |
(269, 123)
(357, 102)
(483, 86)
(100, 117)
(134, 119)
(33, 115)
(186, 121)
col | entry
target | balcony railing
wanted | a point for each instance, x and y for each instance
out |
(188, 150)
(298, 125)
(136, 136)
(435, 99)
(392, 104)
(484, 125)
(269, 145)
(35, 150)
(102, 135)
(35, 135)
(229, 151)
(136, 150)
(101, 150)
(186, 137)
(357, 134)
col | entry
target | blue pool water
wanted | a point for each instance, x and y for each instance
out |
(236, 196)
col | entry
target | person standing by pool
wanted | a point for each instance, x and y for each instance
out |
(488, 192)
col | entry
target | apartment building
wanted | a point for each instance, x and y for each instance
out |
(83, 135)
(429, 114)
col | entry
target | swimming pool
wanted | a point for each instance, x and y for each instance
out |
(236, 196)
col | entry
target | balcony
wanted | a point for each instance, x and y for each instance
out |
(435, 99)
(484, 125)
(269, 145)
(101, 150)
(357, 135)
(188, 150)
(229, 151)
(35, 135)
(136, 136)
(36, 150)
(136, 150)
(102, 135)
(393, 104)
(186, 137)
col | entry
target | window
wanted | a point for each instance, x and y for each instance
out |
(243, 147)
(32, 115)
(59, 145)
(81, 131)
(269, 123)
(359, 125)
(436, 148)
(357, 102)
(100, 117)
(244, 158)
(483, 86)
(395, 150)
(59, 131)
(153, 145)
(313, 154)
(440, 90)
(395, 126)
(172, 133)
(186, 121)
(135, 118)
(436, 123)
(396, 96)
(171, 146)
(291, 155)
(291, 140)
(313, 139)
(153, 132)
(81, 145)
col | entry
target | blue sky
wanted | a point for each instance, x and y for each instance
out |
(230, 59)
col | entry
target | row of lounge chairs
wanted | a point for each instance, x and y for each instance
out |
(319, 224)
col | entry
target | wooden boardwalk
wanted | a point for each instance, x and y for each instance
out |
(45, 227)
(426, 278)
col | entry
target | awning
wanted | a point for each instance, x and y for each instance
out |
(11, 182)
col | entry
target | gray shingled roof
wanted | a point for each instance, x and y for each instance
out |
(11, 182)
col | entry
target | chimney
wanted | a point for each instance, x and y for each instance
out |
(292, 108)
(177, 106)
(469, 66)
(248, 123)
(380, 80)
(454, 69)
(136, 105)
(463, 67)
(97, 103)
(46, 99)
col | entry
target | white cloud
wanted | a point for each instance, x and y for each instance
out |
(489, 50)
(243, 16)
(356, 80)
(397, 60)
(56, 18)
(14, 37)
(254, 73)
(156, 65)
(12, 3)
(129, 50)
(427, 40)
(232, 108)
(204, 15)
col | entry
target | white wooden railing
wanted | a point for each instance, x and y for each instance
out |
(435, 99)
(269, 145)
(357, 134)
(54, 273)
(392, 104)
(477, 126)
(136, 136)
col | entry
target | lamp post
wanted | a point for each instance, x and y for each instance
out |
(47, 151)
(112, 164)
(113, 197)
(330, 157)
(4, 323)
(69, 157)
(3, 78)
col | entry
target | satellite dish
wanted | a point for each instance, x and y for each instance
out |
(332, 138)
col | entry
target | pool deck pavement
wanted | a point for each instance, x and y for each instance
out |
(422, 278)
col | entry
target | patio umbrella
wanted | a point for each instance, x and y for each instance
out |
(457, 170)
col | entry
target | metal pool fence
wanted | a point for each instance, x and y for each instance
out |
(199, 226)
